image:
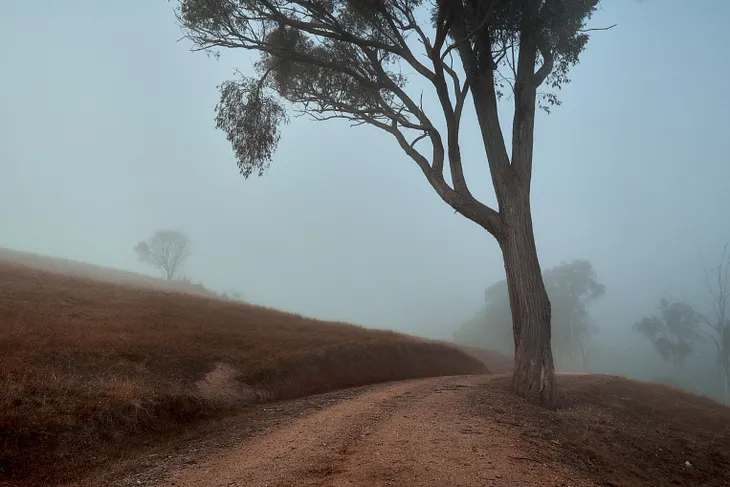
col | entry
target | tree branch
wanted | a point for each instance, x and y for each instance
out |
(547, 65)
(597, 28)
(480, 80)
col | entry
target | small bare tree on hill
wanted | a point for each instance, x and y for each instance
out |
(348, 59)
(167, 250)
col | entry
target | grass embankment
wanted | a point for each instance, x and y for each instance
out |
(619, 432)
(89, 368)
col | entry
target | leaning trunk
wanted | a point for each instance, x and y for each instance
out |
(534, 372)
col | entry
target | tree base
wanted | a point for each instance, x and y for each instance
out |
(534, 381)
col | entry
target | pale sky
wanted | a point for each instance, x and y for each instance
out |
(107, 134)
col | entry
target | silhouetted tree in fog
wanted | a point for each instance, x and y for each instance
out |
(491, 326)
(571, 287)
(348, 59)
(673, 332)
(718, 320)
(166, 249)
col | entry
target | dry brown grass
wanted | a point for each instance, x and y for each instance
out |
(619, 431)
(88, 369)
(97, 273)
(496, 362)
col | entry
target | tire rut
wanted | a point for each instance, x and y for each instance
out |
(310, 450)
(426, 432)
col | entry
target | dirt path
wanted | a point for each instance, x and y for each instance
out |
(418, 432)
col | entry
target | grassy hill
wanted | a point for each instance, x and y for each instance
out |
(103, 274)
(88, 364)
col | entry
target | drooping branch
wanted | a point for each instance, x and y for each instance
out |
(251, 119)
(342, 59)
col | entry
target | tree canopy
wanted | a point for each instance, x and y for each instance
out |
(350, 59)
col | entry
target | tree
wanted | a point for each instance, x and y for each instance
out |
(673, 332)
(571, 287)
(166, 250)
(718, 320)
(491, 326)
(351, 60)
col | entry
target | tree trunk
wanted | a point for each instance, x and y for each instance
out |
(583, 358)
(534, 372)
(726, 379)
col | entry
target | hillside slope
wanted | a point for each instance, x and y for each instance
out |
(75, 268)
(89, 368)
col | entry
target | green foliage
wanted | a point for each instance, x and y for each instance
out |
(251, 119)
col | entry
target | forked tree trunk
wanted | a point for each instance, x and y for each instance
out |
(534, 373)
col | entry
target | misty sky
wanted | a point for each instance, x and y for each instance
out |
(106, 134)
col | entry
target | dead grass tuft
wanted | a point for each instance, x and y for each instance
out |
(88, 369)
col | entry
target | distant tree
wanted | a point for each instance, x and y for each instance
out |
(491, 326)
(167, 250)
(673, 332)
(572, 287)
(351, 59)
(718, 319)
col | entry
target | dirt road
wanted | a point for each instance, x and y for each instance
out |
(420, 432)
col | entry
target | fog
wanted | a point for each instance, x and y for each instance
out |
(107, 135)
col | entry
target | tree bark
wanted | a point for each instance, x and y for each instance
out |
(534, 372)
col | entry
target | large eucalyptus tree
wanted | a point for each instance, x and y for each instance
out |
(353, 60)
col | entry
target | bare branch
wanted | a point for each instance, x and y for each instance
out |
(167, 250)
(598, 28)
(418, 139)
